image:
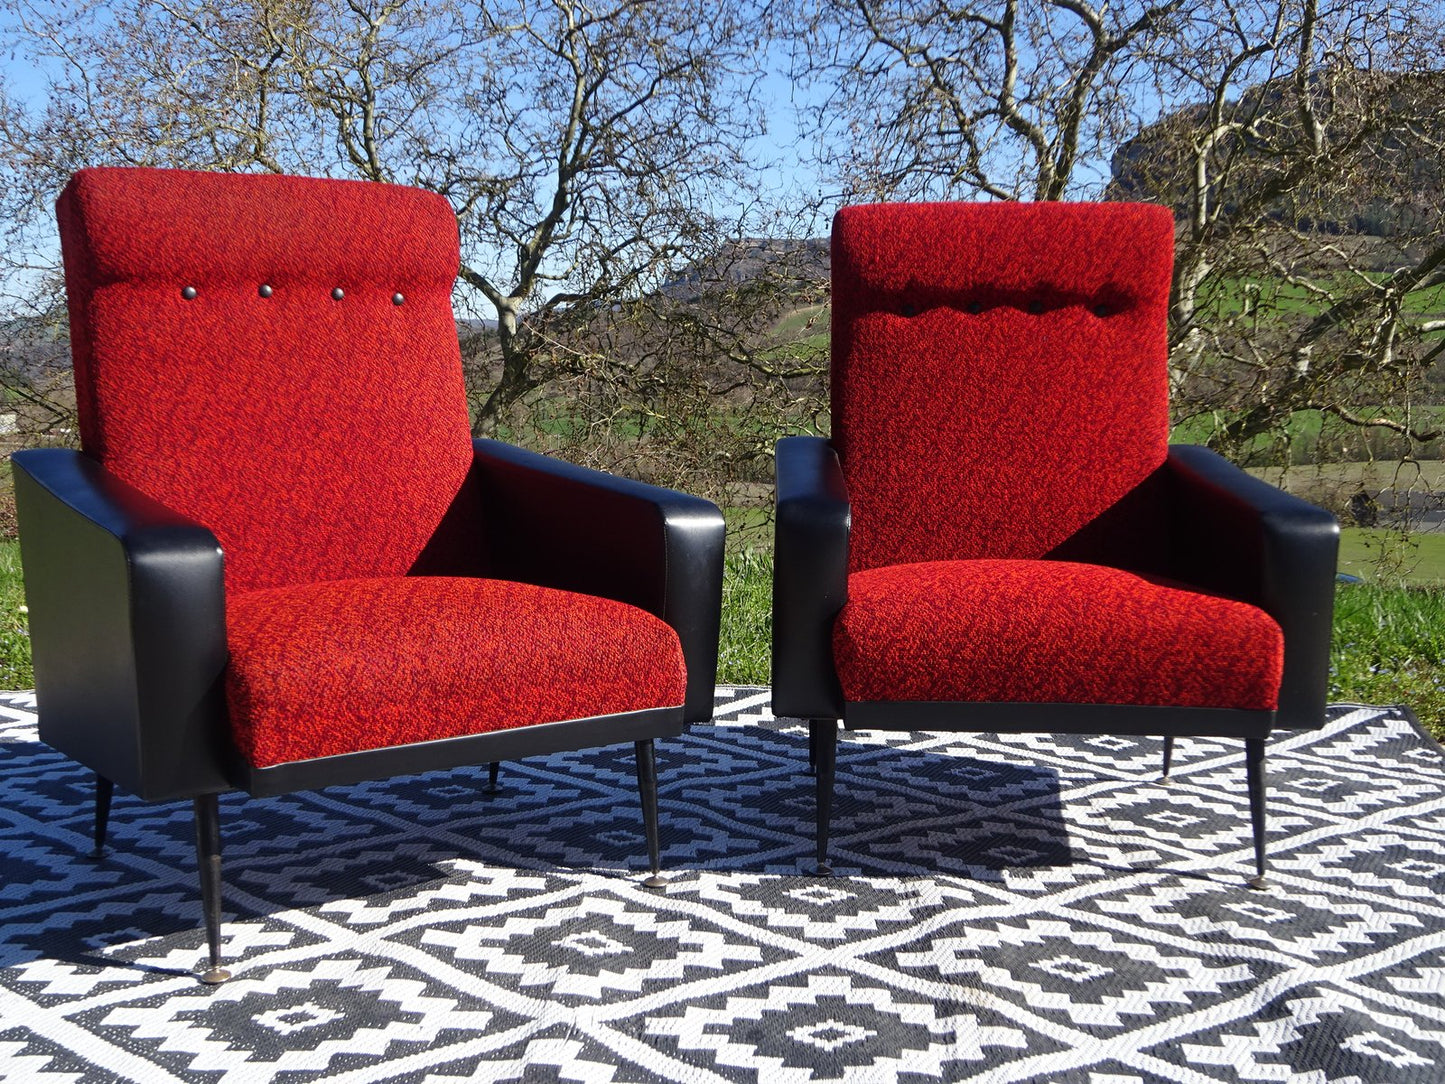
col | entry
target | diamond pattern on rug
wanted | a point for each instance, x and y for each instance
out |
(559, 1058)
(1302, 924)
(1030, 908)
(1313, 1034)
(1087, 977)
(824, 909)
(834, 1026)
(310, 1021)
(589, 945)
(29, 1058)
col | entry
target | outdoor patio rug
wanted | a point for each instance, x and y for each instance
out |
(1019, 908)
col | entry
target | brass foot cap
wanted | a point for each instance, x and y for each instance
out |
(824, 870)
(657, 880)
(215, 976)
(1258, 882)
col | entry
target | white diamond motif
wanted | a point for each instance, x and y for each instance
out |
(1073, 969)
(1112, 742)
(1379, 1046)
(1258, 912)
(954, 1038)
(593, 943)
(830, 1035)
(688, 948)
(818, 894)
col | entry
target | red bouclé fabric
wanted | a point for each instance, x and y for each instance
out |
(1050, 632)
(318, 438)
(1000, 410)
(999, 373)
(276, 357)
(359, 664)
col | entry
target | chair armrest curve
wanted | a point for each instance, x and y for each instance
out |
(810, 577)
(1242, 537)
(128, 627)
(556, 524)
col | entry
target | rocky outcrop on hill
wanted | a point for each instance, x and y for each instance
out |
(1392, 191)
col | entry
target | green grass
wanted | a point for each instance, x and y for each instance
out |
(1389, 648)
(745, 647)
(1307, 429)
(15, 671)
(812, 319)
(1276, 296)
(1390, 559)
(1272, 295)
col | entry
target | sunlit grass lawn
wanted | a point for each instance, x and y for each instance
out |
(1277, 296)
(15, 670)
(1389, 648)
(1305, 428)
(1381, 556)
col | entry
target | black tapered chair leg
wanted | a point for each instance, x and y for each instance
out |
(1254, 766)
(208, 856)
(823, 740)
(647, 788)
(492, 770)
(812, 749)
(104, 791)
(1168, 756)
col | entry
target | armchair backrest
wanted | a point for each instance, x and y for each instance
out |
(275, 357)
(999, 372)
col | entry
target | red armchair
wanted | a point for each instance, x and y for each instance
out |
(281, 562)
(999, 537)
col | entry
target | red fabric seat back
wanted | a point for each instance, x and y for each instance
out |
(999, 375)
(273, 356)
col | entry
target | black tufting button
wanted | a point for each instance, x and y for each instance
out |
(397, 299)
(337, 293)
(189, 293)
(264, 290)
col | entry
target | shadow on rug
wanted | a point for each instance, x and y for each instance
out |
(1009, 908)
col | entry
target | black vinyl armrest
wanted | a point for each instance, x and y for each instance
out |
(1241, 537)
(555, 524)
(127, 627)
(810, 577)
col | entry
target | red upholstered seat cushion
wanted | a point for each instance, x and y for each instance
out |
(1050, 632)
(999, 376)
(340, 666)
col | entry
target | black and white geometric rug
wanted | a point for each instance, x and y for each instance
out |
(1009, 908)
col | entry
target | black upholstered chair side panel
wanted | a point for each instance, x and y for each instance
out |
(561, 525)
(127, 627)
(810, 577)
(1242, 537)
